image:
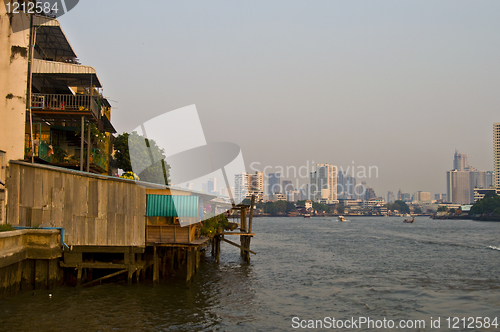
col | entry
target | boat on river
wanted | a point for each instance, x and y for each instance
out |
(341, 218)
(307, 215)
(408, 221)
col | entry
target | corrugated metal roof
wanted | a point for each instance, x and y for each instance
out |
(68, 70)
(172, 206)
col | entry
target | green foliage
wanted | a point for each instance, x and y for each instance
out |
(290, 207)
(340, 209)
(209, 227)
(6, 228)
(301, 203)
(124, 144)
(320, 207)
(417, 210)
(399, 205)
(59, 154)
(442, 209)
(121, 155)
(490, 204)
(97, 138)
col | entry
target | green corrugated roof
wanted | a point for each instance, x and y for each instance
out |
(172, 206)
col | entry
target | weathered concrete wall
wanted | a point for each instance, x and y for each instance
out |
(94, 210)
(29, 260)
(13, 81)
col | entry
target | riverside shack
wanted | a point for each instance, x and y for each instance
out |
(109, 225)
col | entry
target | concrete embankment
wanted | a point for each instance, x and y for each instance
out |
(29, 260)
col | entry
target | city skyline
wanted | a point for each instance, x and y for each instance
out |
(385, 84)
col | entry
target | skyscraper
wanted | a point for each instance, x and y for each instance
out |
(496, 154)
(462, 180)
(249, 184)
(273, 183)
(458, 187)
(390, 197)
(287, 186)
(460, 161)
(212, 185)
(324, 182)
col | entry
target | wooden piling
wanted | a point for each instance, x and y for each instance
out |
(156, 266)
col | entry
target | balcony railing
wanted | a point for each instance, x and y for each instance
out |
(69, 155)
(64, 103)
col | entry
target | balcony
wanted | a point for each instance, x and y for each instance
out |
(70, 156)
(64, 107)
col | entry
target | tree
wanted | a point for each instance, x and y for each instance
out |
(417, 210)
(488, 205)
(442, 209)
(148, 158)
(290, 207)
(340, 208)
(402, 206)
(320, 207)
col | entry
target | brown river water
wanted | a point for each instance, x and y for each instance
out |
(305, 271)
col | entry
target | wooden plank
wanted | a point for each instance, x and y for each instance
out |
(13, 183)
(101, 230)
(36, 217)
(103, 278)
(237, 245)
(80, 231)
(120, 229)
(57, 205)
(27, 186)
(68, 215)
(102, 209)
(37, 188)
(47, 184)
(93, 198)
(91, 230)
(111, 206)
(24, 216)
(111, 229)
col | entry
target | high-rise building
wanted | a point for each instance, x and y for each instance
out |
(390, 197)
(273, 183)
(463, 179)
(341, 185)
(326, 179)
(458, 187)
(247, 185)
(489, 179)
(460, 161)
(240, 187)
(496, 154)
(400, 197)
(211, 185)
(287, 186)
(422, 196)
(405, 197)
(369, 194)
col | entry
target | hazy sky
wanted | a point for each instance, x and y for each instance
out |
(394, 84)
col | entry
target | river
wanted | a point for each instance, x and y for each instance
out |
(305, 269)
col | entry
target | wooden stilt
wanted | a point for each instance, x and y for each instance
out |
(164, 267)
(172, 261)
(189, 264)
(156, 266)
(198, 254)
(79, 277)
